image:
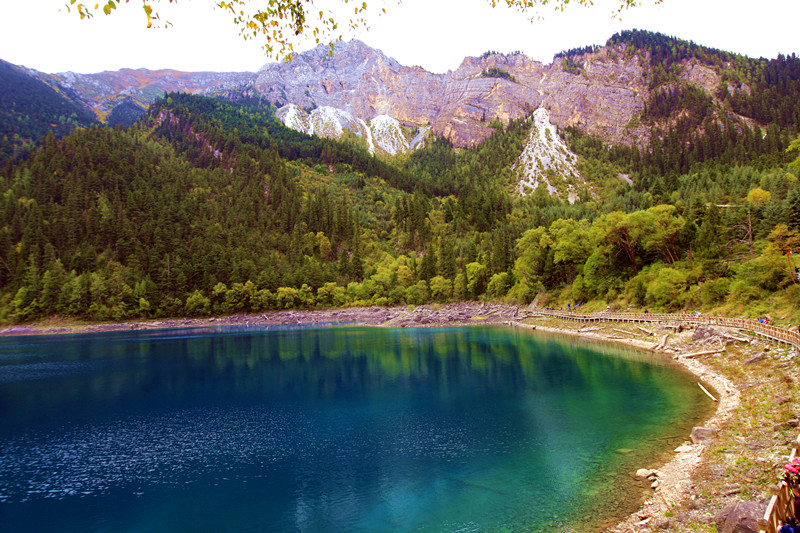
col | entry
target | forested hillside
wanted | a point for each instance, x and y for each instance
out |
(29, 109)
(207, 206)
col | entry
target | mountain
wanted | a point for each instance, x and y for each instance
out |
(213, 206)
(662, 103)
(103, 91)
(603, 96)
(30, 108)
(605, 91)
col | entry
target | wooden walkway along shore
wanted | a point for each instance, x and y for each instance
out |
(774, 333)
(780, 506)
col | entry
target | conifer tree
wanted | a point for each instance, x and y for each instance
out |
(793, 209)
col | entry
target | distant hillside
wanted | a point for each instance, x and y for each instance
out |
(209, 206)
(125, 113)
(29, 109)
(103, 91)
(233, 125)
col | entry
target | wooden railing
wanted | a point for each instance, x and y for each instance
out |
(764, 330)
(780, 506)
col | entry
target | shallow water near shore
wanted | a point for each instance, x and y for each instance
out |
(330, 429)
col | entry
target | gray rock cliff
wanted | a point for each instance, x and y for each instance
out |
(603, 96)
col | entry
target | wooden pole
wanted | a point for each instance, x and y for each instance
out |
(706, 391)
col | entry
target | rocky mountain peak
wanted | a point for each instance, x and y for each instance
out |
(352, 78)
(344, 56)
(602, 96)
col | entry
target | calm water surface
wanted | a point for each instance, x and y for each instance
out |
(328, 430)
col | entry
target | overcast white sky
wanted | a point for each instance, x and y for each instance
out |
(434, 34)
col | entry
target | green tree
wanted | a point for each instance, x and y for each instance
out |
(533, 249)
(663, 228)
(758, 197)
(441, 288)
(197, 304)
(264, 300)
(710, 235)
(418, 294)
(499, 284)
(793, 208)
(287, 297)
(52, 281)
(571, 244)
(666, 289)
(427, 267)
(617, 235)
(331, 295)
(447, 257)
(476, 279)
(218, 298)
(794, 146)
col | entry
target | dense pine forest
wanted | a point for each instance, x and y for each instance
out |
(207, 206)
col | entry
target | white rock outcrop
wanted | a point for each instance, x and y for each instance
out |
(547, 161)
(383, 134)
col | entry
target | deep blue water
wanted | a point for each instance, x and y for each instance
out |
(327, 430)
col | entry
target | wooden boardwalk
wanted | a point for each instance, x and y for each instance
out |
(774, 333)
(780, 506)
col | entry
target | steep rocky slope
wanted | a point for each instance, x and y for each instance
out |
(547, 161)
(603, 95)
(382, 135)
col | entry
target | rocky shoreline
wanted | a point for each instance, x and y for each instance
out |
(445, 315)
(681, 493)
(671, 481)
(721, 477)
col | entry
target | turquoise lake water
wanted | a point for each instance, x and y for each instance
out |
(329, 429)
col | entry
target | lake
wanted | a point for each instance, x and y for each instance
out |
(330, 429)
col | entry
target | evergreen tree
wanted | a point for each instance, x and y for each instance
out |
(427, 267)
(793, 209)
